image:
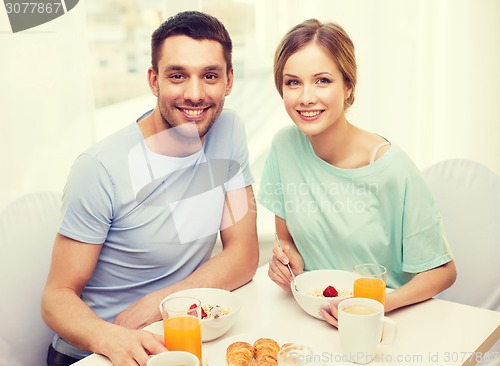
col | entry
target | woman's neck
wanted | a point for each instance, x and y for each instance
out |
(345, 146)
(336, 144)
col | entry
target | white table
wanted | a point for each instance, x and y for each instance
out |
(434, 332)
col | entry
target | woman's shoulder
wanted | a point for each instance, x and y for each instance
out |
(400, 156)
(287, 134)
(400, 164)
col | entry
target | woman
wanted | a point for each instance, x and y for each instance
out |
(341, 195)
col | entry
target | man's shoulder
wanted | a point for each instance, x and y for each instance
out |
(228, 125)
(228, 116)
(123, 139)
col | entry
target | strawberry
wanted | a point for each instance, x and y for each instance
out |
(203, 313)
(330, 291)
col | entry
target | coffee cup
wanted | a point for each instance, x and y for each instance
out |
(174, 358)
(361, 325)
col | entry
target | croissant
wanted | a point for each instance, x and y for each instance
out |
(265, 362)
(266, 350)
(239, 354)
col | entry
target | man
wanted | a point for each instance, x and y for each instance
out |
(142, 209)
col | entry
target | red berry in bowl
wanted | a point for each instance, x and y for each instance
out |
(330, 291)
(203, 312)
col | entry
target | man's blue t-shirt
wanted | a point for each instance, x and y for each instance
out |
(157, 216)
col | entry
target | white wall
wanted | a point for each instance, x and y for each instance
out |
(46, 103)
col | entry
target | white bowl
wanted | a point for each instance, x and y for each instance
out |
(308, 282)
(214, 328)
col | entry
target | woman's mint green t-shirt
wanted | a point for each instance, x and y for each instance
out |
(380, 213)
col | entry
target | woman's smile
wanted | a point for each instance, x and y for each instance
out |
(310, 115)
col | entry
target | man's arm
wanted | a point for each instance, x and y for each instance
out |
(230, 269)
(238, 261)
(72, 266)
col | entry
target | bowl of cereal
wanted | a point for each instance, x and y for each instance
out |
(317, 289)
(220, 309)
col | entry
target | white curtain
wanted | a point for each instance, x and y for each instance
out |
(47, 103)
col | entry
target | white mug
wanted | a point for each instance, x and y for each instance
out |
(174, 358)
(361, 321)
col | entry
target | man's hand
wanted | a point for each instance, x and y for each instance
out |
(141, 313)
(126, 347)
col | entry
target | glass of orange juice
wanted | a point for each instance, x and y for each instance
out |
(371, 282)
(182, 324)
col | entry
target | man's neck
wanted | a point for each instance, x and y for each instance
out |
(165, 141)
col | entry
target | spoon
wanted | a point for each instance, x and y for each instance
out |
(288, 264)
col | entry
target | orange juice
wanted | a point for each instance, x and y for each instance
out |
(372, 288)
(183, 333)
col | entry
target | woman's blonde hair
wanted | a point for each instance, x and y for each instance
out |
(331, 37)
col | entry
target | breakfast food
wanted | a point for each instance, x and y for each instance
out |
(266, 350)
(263, 353)
(239, 354)
(286, 345)
(330, 291)
(212, 311)
(359, 310)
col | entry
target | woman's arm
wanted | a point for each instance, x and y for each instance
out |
(422, 287)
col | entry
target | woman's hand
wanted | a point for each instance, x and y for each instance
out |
(278, 270)
(332, 316)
